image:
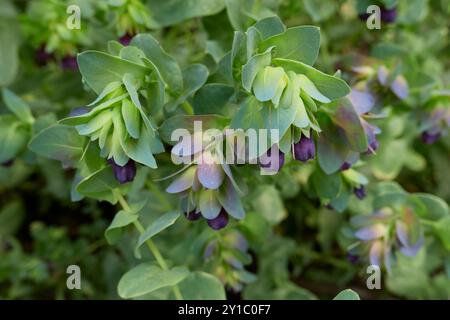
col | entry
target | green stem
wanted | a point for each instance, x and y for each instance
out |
(150, 244)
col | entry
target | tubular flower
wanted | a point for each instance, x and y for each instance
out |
(305, 149)
(435, 125)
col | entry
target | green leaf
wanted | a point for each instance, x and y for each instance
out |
(442, 229)
(9, 50)
(147, 277)
(99, 185)
(299, 43)
(59, 142)
(267, 202)
(347, 294)
(436, 207)
(326, 186)
(131, 117)
(166, 65)
(17, 106)
(202, 286)
(161, 223)
(11, 217)
(320, 10)
(171, 12)
(13, 137)
(332, 87)
(269, 27)
(100, 69)
(194, 77)
(121, 220)
(213, 98)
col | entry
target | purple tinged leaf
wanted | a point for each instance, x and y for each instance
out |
(230, 201)
(402, 233)
(383, 75)
(209, 250)
(209, 172)
(362, 101)
(78, 111)
(411, 251)
(376, 251)
(184, 182)
(400, 87)
(370, 233)
(219, 222)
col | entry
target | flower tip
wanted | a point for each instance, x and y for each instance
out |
(220, 222)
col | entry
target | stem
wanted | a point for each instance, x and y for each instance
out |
(150, 244)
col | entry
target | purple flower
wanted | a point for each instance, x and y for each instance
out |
(69, 62)
(360, 192)
(265, 161)
(353, 259)
(42, 57)
(8, 163)
(124, 174)
(345, 166)
(192, 216)
(305, 149)
(429, 137)
(126, 39)
(78, 111)
(388, 15)
(220, 222)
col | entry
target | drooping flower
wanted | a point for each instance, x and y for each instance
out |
(360, 192)
(42, 57)
(430, 137)
(345, 166)
(388, 15)
(192, 215)
(124, 173)
(305, 149)
(220, 221)
(126, 39)
(69, 62)
(272, 160)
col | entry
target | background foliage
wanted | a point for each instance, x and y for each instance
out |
(305, 234)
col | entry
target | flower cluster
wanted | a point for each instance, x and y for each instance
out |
(207, 186)
(385, 231)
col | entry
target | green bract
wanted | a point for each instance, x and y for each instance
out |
(118, 121)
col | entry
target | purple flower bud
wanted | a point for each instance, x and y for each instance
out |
(352, 258)
(430, 138)
(305, 149)
(126, 39)
(363, 16)
(388, 15)
(78, 111)
(345, 166)
(124, 174)
(69, 62)
(220, 222)
(42, 57)
(360, 192)
(192, 216)
(266, 163)
(8, 163)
